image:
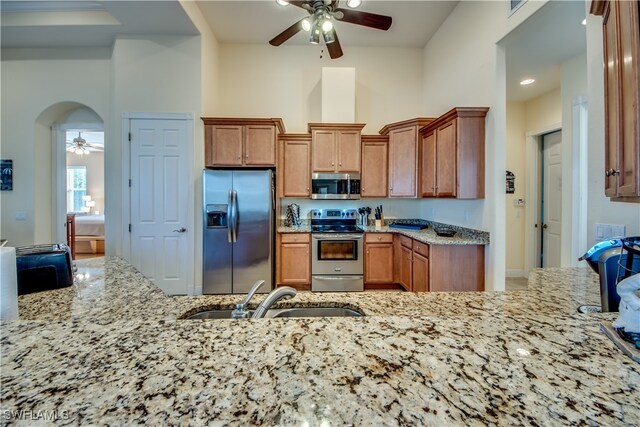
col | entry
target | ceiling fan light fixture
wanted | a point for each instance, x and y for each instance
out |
(329, 37)
(327, 26)
(354, 3)
(306, 25)
(314, 37)
(282, 2)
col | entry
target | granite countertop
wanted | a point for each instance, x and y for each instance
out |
(428, 235)
(112, 350)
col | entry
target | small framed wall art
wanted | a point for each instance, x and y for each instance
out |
(6, 175)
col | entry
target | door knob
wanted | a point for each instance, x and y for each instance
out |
(545, 226)
(180, 230)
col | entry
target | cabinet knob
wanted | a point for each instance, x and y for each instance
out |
(379, 238)
(367, 252)
(238, 157)
(247, 156)
(331, 164)
(307, 188)
(340, 164)
(295, 238)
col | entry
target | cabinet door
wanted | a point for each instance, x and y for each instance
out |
(323, 142)
(428, 166)
(348, 143)
(260, 145)
(403, 156)
(420, 273)
(456, 268)
(405, 267)
(295, 264)
(629, 166)
(374, 179)
(296, 174)
(378, 263)
(446, 160)
(226, 145)
(612, 98)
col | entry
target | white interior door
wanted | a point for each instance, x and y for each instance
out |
(551, 199)
(161, 242)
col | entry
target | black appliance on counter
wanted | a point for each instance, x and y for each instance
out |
(43, 267)
(612, 263)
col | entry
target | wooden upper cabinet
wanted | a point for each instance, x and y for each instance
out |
(336, 147)
(374, 180)
(323, 151)
(294, 165)
(403, 156)
(227, 149)
(260, 145)
(428, 165)
(239, 142)
(621, 42)
(452, 155)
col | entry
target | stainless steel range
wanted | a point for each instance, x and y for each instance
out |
(337, 251)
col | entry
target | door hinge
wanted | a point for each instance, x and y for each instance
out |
(129, 228)
(129, 183)
(129, 136)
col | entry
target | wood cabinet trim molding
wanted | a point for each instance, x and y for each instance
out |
(458, 112)
(598, 7)
(336, 126)
(294, 137)
(419, 121)
(277, 122)
(374, 138)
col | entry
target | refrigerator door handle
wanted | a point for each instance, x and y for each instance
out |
(235, 216)
(229, 215)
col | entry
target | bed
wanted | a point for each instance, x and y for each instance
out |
(89, 236)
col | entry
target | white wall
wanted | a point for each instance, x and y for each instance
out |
(94, 162)
(33, 80)
(155, 74)
(515, 162)
(544, 111)
(265, 81)
(600, 208)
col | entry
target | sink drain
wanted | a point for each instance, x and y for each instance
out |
(589, 309)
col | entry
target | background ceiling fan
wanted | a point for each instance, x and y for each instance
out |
(80, 146)
(323, 13)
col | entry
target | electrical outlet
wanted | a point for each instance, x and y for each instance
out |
(609, 231)
(21, 216)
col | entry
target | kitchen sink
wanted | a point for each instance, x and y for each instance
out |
(291, 312)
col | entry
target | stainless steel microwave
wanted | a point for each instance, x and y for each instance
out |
(335, 186)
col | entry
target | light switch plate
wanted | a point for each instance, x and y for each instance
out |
(519, 202)
(609, 231)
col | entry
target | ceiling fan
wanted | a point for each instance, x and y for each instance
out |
(80, 146)
(320, 22)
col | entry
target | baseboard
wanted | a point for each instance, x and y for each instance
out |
(515, 273)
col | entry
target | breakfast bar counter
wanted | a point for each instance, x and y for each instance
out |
(114, 349)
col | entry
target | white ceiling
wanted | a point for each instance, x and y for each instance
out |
(534, 49)
(540, 44)
(88, 23)
(414, 22)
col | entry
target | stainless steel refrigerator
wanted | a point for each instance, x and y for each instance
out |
(238, 237)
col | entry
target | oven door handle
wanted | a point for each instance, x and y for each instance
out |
(331, 236)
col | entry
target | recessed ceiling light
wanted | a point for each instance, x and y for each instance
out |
(527, 82)
(584, 21)
(282, 2)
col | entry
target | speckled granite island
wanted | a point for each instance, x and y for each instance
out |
(113, 350)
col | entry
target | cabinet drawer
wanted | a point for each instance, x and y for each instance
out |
(421, 248)
(378, 238)
(406, 241)
(295, 237)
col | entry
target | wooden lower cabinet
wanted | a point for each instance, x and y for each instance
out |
(378, 259)
(456, 268)
(294, 261)
(405, 269)
(420, 267)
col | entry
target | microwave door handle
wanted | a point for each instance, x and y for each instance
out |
(348, 186)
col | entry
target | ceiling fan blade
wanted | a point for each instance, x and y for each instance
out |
(334, 48)
(287, 34)
(372, 20)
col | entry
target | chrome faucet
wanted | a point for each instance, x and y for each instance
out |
(273, 297)
(240, 312)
